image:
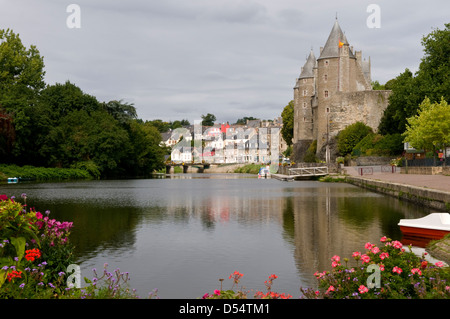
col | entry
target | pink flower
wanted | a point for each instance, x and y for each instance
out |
(356, 255)
(363, 289)
(384, 255)
(38, 215)
(397, 244)
(397, 270)
(365, 258)
(381, 267)
(375, 250)
(368, 246)
(217, 292)
(439, 264)
(331, 288)
(336, 258)
(416, 271)
(383, 239)
(334, 264)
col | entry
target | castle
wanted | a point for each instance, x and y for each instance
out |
(332, 92)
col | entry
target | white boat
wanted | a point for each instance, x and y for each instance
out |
(264, 172)
(13, 180)
(432, 226)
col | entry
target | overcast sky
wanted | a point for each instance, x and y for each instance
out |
(180, 59)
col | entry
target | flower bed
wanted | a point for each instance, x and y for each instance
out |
(386, 272)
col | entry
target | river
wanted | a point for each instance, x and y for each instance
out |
(180, 234)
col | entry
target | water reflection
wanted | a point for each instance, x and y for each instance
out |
(182, 234)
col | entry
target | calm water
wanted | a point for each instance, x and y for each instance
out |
(181, 234)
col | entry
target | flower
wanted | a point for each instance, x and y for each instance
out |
(383, 239)
(217, 292)
(363, 289)
(416, 271)
(397, 270)
(439, 264)
(14, 274)
(375, 250)
(3, 197)
(32, 254)
(365, 258)
(336, 258)
(397, 244)
(384, 255)
(356, 255)
(368, 246)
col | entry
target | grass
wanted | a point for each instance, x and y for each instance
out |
(41, 173)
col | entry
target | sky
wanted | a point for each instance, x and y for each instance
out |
(181, 59)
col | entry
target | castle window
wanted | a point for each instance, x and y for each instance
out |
(304, 119)
(304, 104)
(305, 80)
(326, 93)
(326, 62)
(305, 92)
(328, 110)
(325, 77)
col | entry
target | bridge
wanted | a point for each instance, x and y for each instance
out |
(306, 172)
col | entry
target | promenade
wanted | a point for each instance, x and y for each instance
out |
(437, 182)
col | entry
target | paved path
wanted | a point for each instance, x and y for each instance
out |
(439, 182)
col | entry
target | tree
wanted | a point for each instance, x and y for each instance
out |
(208, 119)
(287, 131)
(244, 120)
(21, 80)
(431, 80)
(430, 128)
(121, 111)
(349, 137)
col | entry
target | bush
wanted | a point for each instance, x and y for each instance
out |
(34, 251)
(402, 275)
(43, 173)
(379, 145)
(350, 136)
(310, 155)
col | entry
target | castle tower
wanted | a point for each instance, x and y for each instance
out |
(331, 93)
(303, 94)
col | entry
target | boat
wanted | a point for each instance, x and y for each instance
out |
(12, 180)
(264, 172)
(433, 226)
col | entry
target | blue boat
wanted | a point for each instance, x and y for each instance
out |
(13, 180)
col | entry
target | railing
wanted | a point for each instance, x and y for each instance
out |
(309, 171)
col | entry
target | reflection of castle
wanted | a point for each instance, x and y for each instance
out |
(332, 92)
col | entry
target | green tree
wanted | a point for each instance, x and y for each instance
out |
(349, 137)
(144, 152)
(287, 131)
(243, 120)
(208, 119)
(21, 80)
(123, 112)
(431, 80)
(430, 128)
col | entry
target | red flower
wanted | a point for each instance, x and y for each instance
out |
(32, 254)
(14, 274)
(3, 197)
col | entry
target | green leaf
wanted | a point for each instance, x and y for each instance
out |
(19, 244)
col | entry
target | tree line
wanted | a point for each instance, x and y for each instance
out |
(59, 125)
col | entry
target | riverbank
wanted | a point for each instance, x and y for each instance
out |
(41, 173)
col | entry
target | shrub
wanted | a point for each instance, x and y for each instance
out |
(34, 251)
(350, 136)
(402, 275)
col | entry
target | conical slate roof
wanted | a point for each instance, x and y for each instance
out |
(307, 71)
(331, 48)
